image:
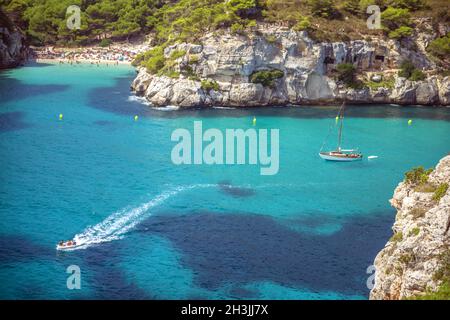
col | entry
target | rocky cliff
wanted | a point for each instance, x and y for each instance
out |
(308, 72)
(417, 258)
(13, 50)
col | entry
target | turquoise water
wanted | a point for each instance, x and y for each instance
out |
(158, 231)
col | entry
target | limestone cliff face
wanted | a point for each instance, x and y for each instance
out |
(410, 261)
(230, 60)
(13, 50)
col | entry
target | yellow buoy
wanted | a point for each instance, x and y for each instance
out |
(337, 119)
(409, 122)
(61, 116)
(254, 121)
(136, 118)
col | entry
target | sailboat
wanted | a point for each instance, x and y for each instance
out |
(340, 154)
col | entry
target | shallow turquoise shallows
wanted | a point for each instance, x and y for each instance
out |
(154, 230)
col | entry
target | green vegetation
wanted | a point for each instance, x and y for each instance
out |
(440, 191)
(393, 18)
(176, 54)
(323, 8)
(238, 28)
(396, 22)
(440, 47)
(443, 293)
(208, 85)
(304, 23)
(105, 43)
(417, 75)
(194, 58)
(385, 83)
(397, 237)
(156, 63)
(414, 232)
(417, 176)
(153, 60)
(346, 72)
(418, 212)
(172, 21)
(401, 32)
(410, 72)
(406, 258)
(352, 6)
(171, 74)
(266, 77)
(407, 4)
(242, 7)
(44, 21)
(271, 39)
(425, 187)
(442, 275)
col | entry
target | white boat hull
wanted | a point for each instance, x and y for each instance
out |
(62, 248)
(330, 157)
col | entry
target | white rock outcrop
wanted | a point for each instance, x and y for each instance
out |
(410, 261)
(308, 69)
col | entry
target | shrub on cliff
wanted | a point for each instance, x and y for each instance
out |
(409, 71)
(418, 212)
(323, 8)
(352, 6)
(394, 18)
(441, 190)
(407, 4)
(153, 60)
(237, 28)
(440, 47)
(304, 23)
(105, 43)
(442, 275)
(397, 237)
(243, 8)
(417, 75)
(209, 84)
(363, 4)
(406, 69)
(401, 32)
(346, 72)
(417, 176)
(177, 54)
(387, 82)
(266, 77)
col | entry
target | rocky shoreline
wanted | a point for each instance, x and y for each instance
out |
(416, 260)
(229, 62)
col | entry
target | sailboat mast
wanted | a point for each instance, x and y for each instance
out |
(341, 118)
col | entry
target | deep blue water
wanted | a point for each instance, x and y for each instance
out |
(158, 231)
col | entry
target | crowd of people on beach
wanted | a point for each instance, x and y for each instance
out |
(93, 55)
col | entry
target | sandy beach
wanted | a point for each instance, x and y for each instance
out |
(81, 61)
(116, 54)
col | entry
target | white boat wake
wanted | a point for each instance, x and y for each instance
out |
(116, 225)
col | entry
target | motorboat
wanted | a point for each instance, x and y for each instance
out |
(67, 245)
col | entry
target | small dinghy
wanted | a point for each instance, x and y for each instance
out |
(67, 245)
(340, 154)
